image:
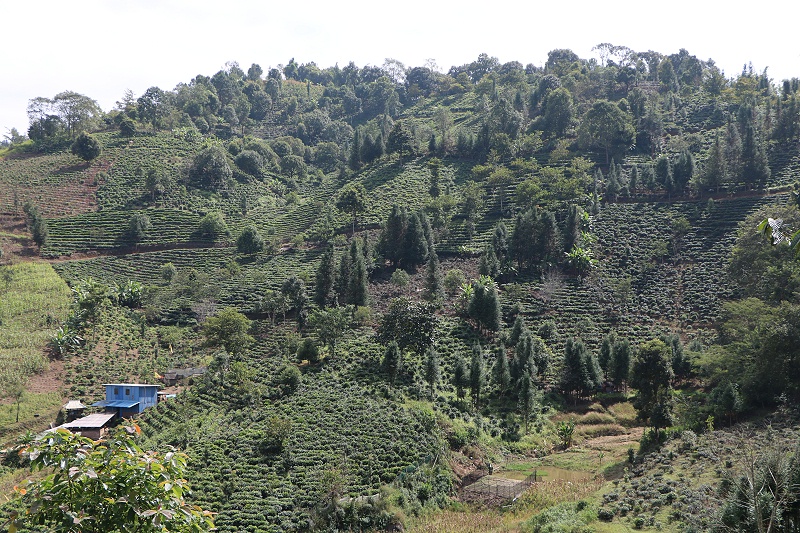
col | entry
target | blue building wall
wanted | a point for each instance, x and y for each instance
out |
(146, 395)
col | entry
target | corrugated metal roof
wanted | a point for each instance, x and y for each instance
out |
(130, 385)
(74, 404)
(125, 404)
(96, 420)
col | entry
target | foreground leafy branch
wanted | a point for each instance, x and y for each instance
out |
(106, 485)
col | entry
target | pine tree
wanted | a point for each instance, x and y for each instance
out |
(357, 287)
(528, 396)
(433, 372)
(434, 290)
(460, 377)
(715, 167)
(392, 236)
(392, 360)
(501, 373)
(477, 375)
(572, 227)
(325, 279)
(342, 282)
(414, 249)
(517, 330)
(606, 349)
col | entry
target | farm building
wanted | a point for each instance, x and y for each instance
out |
(128, 399)
(174, 376)
(91, 426)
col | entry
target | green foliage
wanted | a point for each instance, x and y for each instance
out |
(308, 350)
(566, 430)
(249, 241)
(138, 225)
(392, 361)
(213, 226)
(86, 147)
(651, 375)
(411, 325)
(210, 169)
(228, 329)
(107, 485)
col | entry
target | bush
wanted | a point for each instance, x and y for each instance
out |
(453, 280)
(400, 278)
(308, 350)
(249, 241)
(138, 225)
(86, 147)
(213, 226)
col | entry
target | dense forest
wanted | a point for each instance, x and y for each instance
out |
(399, 281)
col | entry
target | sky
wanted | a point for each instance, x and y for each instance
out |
(100, 48)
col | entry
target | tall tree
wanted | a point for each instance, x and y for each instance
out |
(607, 127)
(352, 199)
(433, 372)
(392, 361)
(325, 279)
(501, 373)
(477, 375)
(652, 377)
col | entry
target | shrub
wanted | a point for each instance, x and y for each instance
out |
(249, 241)
(308, 350)
(213, 226)
(86, 147)
(400, 278)
(453, 280)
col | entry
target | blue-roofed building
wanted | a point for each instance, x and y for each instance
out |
(128, 399)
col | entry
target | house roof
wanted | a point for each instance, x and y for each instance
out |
(125, 404)
(130, 385)
(96, 420)
(73, 405)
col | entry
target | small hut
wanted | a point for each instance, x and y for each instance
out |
(73, 409)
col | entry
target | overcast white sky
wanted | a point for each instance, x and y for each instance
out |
(102, 47)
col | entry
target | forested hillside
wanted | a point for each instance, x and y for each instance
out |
(400, 280)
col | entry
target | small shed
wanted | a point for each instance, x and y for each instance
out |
(74, 409)
(128, 399)
(173, 376)
(91, 426)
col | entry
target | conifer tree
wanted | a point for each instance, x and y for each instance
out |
(357, 287)
(434, 290)
(414, 248)
(489, 265)
(392, 361)
(620, 363)
(433, 372)
(477, 375)
(517, 330)
(342, 282)
(391, 240)
(527, 397)
(356, 147)
(325, 279)
(501, 373)
(460, 376)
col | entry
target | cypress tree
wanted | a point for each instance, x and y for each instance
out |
(433, 279)
(357, 288)
(460, 377)
(414, 250)
(325, 279)
(606, 349)
(433, 372)
(501, 373)
(392, 361)
(391, 240)
(342, 282)
(572, 229)
(477, 375)
(516, 330)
